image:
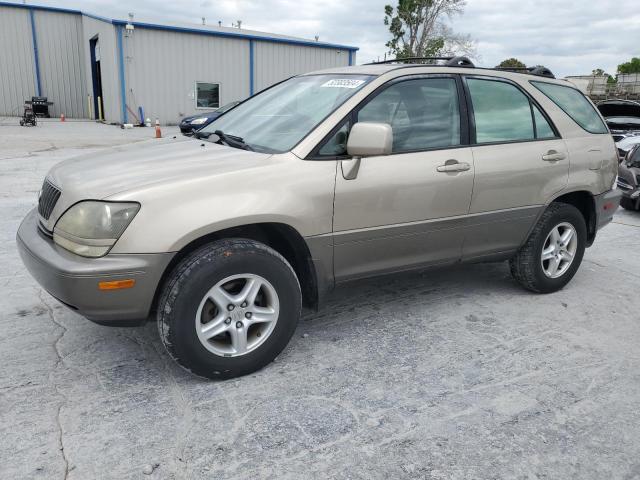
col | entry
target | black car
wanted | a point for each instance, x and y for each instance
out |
(629, 179)
(188, 125)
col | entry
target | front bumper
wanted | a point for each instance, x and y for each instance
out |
(186, 129)
(73, 280)
(606, 205)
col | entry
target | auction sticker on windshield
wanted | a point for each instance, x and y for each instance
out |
(343, 83)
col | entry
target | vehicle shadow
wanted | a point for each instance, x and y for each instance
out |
(435, 285)
(392, 296)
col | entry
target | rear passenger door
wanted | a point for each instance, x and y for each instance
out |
(520, 162)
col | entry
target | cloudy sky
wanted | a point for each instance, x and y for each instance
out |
(571, 37)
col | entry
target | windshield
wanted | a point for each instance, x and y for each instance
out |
(227, 107)
(275, 120)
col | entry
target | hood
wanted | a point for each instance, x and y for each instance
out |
(619, 108)
(628, 143)
(122, 169)
(199, 115)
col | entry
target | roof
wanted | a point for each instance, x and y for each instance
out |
(380, 69)
(227, 32)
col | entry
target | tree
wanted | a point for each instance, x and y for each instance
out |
(630, 67)
(511, 63)
(598, 72)
(418, 29)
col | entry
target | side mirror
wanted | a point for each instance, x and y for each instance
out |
(370, 139)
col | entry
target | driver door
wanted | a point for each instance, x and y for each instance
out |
(407, 209)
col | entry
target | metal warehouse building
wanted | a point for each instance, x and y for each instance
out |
(74, 58)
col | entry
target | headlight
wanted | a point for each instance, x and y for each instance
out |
(199, 121)
(91, 228)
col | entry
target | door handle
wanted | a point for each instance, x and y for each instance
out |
(452, 166)
(553, 156)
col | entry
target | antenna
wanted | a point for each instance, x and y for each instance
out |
(129, 26)
(203, 21)
(219, 23)
(239, 23)
(317, 37)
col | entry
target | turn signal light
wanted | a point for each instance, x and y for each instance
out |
(117, 284)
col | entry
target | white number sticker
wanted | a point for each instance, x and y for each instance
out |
(343, 83)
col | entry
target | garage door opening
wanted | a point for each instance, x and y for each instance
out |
(96, 77)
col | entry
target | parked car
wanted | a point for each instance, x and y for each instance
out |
(626, 144)
(629, 179)
(188, 125)
(322, 179)
(622, 117)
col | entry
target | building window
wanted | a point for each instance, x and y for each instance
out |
(207, 95)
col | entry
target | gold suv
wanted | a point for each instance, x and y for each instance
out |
(324, 178)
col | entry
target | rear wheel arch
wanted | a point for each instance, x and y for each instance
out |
(583, 200)
(283, 238)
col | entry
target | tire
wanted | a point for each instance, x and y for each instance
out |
(226, 268)
(628, 204)
(527, 266)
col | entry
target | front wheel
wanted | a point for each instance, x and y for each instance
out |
(554, 250)
(229, 308)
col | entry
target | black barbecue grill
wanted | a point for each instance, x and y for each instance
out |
(40, 106)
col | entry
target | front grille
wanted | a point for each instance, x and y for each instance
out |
(48, 198)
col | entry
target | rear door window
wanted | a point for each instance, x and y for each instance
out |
(502, 113)
(543, 129)
(574, 104)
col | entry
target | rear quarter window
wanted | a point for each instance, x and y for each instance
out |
(574, 104)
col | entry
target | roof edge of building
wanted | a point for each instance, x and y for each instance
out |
(215, 33)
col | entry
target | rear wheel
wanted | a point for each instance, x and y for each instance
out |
(554, 250)
(229, 308)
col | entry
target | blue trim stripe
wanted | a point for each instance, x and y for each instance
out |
(97, 17)
(251, 60)
(246, 36)
(153, 26)
(123, 90)
(40, 7)
(35, 53)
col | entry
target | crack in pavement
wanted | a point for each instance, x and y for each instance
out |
(60, 361)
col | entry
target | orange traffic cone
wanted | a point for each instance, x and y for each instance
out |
(62, 117)
(158, 131)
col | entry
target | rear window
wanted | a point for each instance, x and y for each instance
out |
(574, 104)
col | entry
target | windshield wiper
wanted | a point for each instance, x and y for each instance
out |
(232, 140)
(201, 135)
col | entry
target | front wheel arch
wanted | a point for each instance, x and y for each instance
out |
(283, 238)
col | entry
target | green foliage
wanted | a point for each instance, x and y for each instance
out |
(511, 63)
(601, 72)
(417, 29)
(632, 66)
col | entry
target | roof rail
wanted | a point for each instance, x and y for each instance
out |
(449, 61)
(539, 71)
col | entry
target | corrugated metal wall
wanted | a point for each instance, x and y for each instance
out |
(276, 61)
(162, 67)
(17, 65)
(62, 62)
(106, 34)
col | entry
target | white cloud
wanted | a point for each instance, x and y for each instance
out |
(570, 37)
